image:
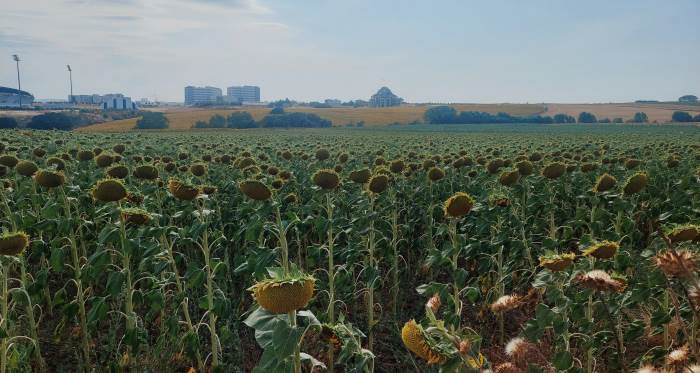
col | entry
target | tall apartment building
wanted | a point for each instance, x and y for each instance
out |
(243, 94)
(201, 95)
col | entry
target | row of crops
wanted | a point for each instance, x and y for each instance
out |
(340, 251)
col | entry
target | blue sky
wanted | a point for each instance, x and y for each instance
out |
(426, 51)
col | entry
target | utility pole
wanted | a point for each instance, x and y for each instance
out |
(19, 83)
(70, 76)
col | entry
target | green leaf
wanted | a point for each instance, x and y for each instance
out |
(563, 360)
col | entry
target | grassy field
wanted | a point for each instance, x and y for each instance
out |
(183, 119)
(660, 112)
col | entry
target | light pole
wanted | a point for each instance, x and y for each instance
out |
(19, 83)
(70, 76)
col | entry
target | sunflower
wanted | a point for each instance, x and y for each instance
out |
(13, 243)
(118, 171)
(255, 190)
(604, 183)
(602, 250)
(509, 178)
(676, 263)
(458, 205)
(415, 339)
(199, 169)
(9, 161)
(378, 183)
(554, 170)
(600, 281)
(26, 168)
(104, 160)
(326, 179)
(636, 183)
(135, 216)
(146, 172)
(181, 190)
(109, 190)
(688, 232)
(49, 179)
(435, 174)
(524, 167)
(281, 296)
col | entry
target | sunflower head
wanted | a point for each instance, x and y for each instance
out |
(604, 183)
(524, 167)
(397, 166)
(326, 179)
(182, 190)
(104, 160)
(49, 179)
(435, 174)
(676, 263)
(361, 176)
(688, 232)
(282, 295)
(600, 281)
(198, 169)
(109, 190)
(85, 155)
(509, 178)
(415, 339)
(378, 183)
(26, 168)
(557, 262)
(135, 216)
(118, 171)
(9, 161)
(554, 170)
(255, 190)
(146, 172)
(322, 154)
(13, 243)
(636, 183)
(602, 250)
(56, 163)
(458, 205)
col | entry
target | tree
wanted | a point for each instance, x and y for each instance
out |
(152, 121)
(200, 124)
(290, 120)
(563, 118)
(688, 99)
(241, 119)
(8, 122)
(586, 117)
(217, 121)
(277, 110)
(640, 117)
(440, 115)
(681, 116)
(50, 121)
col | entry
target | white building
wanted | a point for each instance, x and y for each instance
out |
(117, 102)
(243, 94)
(201, 95)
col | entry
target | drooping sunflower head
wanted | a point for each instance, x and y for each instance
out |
(557, 262)
(85, 155)
(397, 166)
(326, 179)
(600, 281)
(415, 339)
(676, 263)
(458, 205)
(104, 160)
(198, 169)
(118, 171)
(255, 190)
(378, 183)
(282, 295)
(109, 190)
(322, 154)
(13, 243)
(49, 179)
(687, 232)
(636, 183)
(135, 216)
(26, 168)
(525, 167)
(146, 172)
(602, 250)
(182, 190)
(9, 161)
(554, 170)
(509, 178)
(55, 163)
(604, 183)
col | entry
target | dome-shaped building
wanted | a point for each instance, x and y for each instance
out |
(384, 98)
(10, 97)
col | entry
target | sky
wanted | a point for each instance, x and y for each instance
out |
(487, 51)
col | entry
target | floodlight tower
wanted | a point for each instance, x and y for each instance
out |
(19, 83)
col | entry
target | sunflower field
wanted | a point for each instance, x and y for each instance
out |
(492, 249)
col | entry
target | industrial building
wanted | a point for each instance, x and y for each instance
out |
(243, 94)
(202, 95)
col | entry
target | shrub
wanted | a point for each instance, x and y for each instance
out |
(563, 118)
(8, 122)
(50, 121)
(441, 114)
(278, 110)
(290, 120)
(640, 118)
(586, 117)
(217, 121)
(152, 121)
(200, 124)
(681, 116)
(241, 119)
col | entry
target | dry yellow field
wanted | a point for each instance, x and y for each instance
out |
(660, 113)
(182, 119)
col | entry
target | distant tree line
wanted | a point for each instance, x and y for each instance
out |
(448, 115)
(152, 121)
(277, 118)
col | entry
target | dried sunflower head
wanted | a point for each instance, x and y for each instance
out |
(458, 205)
(676, 263)
(600, 281)
(415, 339)
(13, 243)
(602, 250)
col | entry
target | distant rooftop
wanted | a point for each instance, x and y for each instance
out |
(15, 91)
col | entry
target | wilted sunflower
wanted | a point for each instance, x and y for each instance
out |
(435, 174)
(291, 198)
(181, 190)
(146, 172)
(118, 171)
(56, 163)
(397, 166)
(557, 262)
(199, 169)
(26, 168)
(604, 183)
(39, 152)
(104, 160)
(519, 349)
(676, 263)
(322, 154)
(678, 357)
(3, 170)
(208, 189)
(554, 170)
(602, 250)
(135, 216)
(688, 232)
(49, 179)
(524, 167)
(458, 205)
(378, 183)
(600, 281)
(13, 243)
(506, 303)
(255, 189)
(636, 183)
(507, 368)
(588, 167)
(415, 339)
(326, 179)
(632, 163)
(280, 296)
(509, 178)
(9, 160)
(109, 190)
(85, 155)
